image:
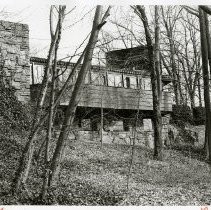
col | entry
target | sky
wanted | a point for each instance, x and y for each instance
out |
(77, 24)
(76, 27)
(37, 17)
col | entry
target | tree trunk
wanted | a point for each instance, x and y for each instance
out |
(22, 172)
(157, 99)
(206, 76)
(70, 112)
(172, 58)
(199, 91)
(192, 100)
(51, 110)
(155, 77)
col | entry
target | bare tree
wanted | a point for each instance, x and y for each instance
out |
(70, 112)
(188, 55)
(155, 77)
(169, 19)
(51, 103)
(26, 158)
(201, 13)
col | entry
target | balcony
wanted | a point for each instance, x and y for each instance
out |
(119, 98)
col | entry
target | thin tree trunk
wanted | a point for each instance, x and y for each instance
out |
(155, 73)
(57, 100)
(22, 172)
(70, 112)
(192, 100)
(51, 110)
(172, 58)
(199, 92)
(158, 119)
(132, 146)
(180, 89)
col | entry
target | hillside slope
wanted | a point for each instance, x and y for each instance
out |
(94, 176)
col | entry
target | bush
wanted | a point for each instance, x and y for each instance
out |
(13, 114)
(199, 115)
(181, 115)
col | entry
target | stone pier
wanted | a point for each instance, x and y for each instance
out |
(14, 58)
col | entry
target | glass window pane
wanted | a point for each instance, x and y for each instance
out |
(65, 74)
(118, 80)
(133, 82)
(147, 83)
(130, 81)
(111, 80)
(95, 78)
(102, 79)
(38, 73)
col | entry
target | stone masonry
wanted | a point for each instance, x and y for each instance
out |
(14, 57)
(144, 134)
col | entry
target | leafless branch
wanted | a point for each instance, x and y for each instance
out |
(70, 10)
(207, 9)
(191, 10)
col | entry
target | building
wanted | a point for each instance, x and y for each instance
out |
(117, 98)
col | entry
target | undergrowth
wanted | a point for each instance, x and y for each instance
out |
(15, 117)
(94, 176)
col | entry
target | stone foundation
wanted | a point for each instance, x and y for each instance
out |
(144, 134)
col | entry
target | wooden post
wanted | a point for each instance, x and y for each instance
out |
(101, 124)
(101, 112)
(32, 72)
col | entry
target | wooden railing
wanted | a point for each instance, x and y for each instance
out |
(119, 98)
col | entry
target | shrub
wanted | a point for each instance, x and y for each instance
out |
(13, 114)
(181, 115)
(199, 115)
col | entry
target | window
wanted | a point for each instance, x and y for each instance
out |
(146, 84)
(140, 82)
(127, 80)
(74, 78)
(97, 78)
(133, 82)
(111, 80)
(38, 73)
(105, 80)
(118, 80)
(147, 124)
(130, 81)
(94, 78)
(114, 80)
(32, 74)
(65, 73)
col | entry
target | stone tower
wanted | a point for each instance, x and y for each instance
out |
(14, 57)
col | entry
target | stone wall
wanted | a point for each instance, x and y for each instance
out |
(14, 57)
(144, 138)
(144, 134)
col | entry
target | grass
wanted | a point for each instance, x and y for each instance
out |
(94, 176)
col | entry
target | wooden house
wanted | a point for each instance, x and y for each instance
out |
(116, 97)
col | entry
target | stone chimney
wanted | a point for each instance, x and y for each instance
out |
(14, 57)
